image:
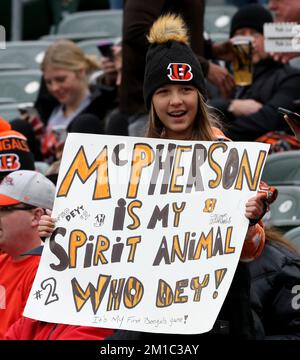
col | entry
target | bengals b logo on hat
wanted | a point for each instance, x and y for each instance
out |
(180, 72)
(14, 153)
(9, 162)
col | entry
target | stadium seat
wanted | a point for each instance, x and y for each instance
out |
(218, 37)
(75, 36)
(27, 54)
(20, 85)
(282, 168)
(217, 19)
(285, 211)
(61, 8)
(90, 46)
(4, 100)
(294, 236)
(11, 66)
(108, 22)
(9, 111)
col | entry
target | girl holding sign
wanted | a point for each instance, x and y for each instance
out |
(175, 95)
(174, 92)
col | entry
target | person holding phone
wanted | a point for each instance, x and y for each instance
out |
(293, 120)
(282, 141)
(111, 63)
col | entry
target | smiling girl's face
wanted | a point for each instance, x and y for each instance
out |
(176, 106)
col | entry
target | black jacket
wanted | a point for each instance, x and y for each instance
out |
(92, 119)
(275, 291)
(274, 85)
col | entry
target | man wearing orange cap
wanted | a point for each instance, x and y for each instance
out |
(24, 196)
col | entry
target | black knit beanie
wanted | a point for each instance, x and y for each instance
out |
(14, 153)
(172, 62)
(252, 16)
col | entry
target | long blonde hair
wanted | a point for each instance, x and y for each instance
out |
(275, 236)
(67, 55)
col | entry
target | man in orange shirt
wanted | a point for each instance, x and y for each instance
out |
(24, 196)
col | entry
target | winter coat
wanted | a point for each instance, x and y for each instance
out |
(274, 85)
(274, 288)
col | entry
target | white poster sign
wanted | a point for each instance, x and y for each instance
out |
(148, 233)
